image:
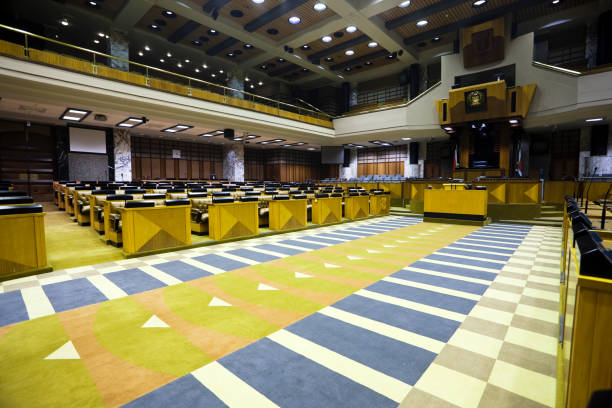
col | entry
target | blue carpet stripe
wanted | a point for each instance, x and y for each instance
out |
(486, 242)
(495, 257)
(455, 270)
(12, 308)
(443, 282)
(374, 350)
(62, 294)
(320, 239)
(463, 261)
(220, 262)
(252, 255)
(134, 281)
(291, 380)
(337, 235)
(496, 238)
(279, 249)
(182, 271)
(481, 247)
(302, 244)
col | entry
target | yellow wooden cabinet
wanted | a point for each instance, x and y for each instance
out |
(356, 207)
(456, 204)
(22, 244)
(233, 220)
(287, 214)
(380, 204)
(327, 210)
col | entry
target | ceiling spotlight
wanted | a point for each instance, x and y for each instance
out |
(147, 48)
(422, 23)
(230, 54)
(435, 39)
(406, 138)
(368, 63)
(349, 52)
(294, 20)
(555, 2)
(196, 42)
(92, 3)
(479, 3)
(220, 71)
(312, 148)
(252, 86)
(169, 54)
(168, 13)
(329, 59)
(197, 70)
(258, 1)
(140, 53)
(319, 7)
(101, 35)
(248, 46)
(513, 121)
(179, 65)
(281, 60)
(305, 47)
(64, 22)
(204, 66)
(372, 44)
(351, 29)
(404, 4)
(162, 60)
(327, 39)
(154, 27)
(213, 75)
(247, 79)
(260, 83)
(347, 69)
(448, 128)
(594, 119)
(187, 61)
(96, 41)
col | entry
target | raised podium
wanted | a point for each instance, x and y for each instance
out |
(462, 205)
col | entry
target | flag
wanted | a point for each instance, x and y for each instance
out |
(455, 159)
(519, 160)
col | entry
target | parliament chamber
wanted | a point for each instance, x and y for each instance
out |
(306, 203)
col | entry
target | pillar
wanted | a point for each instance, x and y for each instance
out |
(350, 171)
(236, 81)
(119, 47)
(416, 170)
(123, 154)
(233, 162)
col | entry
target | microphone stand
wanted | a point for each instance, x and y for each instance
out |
(586, 206)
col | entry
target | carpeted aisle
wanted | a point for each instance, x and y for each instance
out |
(349, 317)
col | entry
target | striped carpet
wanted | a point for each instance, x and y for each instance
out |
(379, 313)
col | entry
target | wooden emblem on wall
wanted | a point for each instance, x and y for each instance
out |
(483, 43)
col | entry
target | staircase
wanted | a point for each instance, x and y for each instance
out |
(404, 212)
(551, 215)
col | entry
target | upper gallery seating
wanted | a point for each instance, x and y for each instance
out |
(377, 178)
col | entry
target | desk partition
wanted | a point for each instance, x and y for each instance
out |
(356, 207)
(326, 210)
(233, 220)
(380, 204)
(287, 214)
(456, 204)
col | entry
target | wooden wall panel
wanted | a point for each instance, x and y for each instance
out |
(169, 168)
(156, 167)
(145, 167)
(194, 169)
(182, 168)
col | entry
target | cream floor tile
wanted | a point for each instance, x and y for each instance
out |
(477, 343)
(452, 386)
(492, 315)
(551, 316)
(535, 341)
(526, 383)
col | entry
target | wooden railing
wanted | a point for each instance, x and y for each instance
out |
(145, 75)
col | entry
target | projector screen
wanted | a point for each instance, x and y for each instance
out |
(87, 140)
(332, 154)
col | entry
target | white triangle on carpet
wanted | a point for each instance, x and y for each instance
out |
(215, 301)
(390, 246)
(354, 258)
(65, 352)
(373, 251)
(400, 241)
(302, 275)
(330, 265)
(154, 322)
(263, 286)
(422, 233)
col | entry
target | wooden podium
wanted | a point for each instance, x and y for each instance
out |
(467, 205)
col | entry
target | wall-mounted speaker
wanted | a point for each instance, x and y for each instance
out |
(414, 153)
(228, 134)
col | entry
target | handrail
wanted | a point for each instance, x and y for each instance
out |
(312, 106)
(554, 68)
(148, 68)
(402, 105)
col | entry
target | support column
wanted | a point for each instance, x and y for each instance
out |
(119, 47)
(416, 170)
(123, 154)
(236, 81)
(233, 162)
(350, 171)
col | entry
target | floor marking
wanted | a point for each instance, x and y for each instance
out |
(36, 302)
(384, 384)
(108, 288)
(154, 322)
(65, 352)
(354, 258)
(302, 275)
(331, 265)
(216, 302)
(432, 288)
(263, 286)
(229, 388)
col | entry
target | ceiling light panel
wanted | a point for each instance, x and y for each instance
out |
(74, 115)
(131, 122)
(177, 128)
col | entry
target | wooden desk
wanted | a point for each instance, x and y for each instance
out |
(380, 204)
(356, 207)
(22, 244)
(326, 210)
(287, 214)
(233, 220)
(454, 186)
(456, 204)
(152, 228)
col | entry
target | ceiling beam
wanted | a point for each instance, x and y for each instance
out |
(213, 5)
(357, 60)
(338, 47)
(131, 13)
(423, 13)
(221, 46)
(477, 19)
(273, 14)
(183, 31)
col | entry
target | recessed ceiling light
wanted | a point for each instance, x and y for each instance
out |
(305, 47)
(140, 53)
(176, 128)
(213, 32)
(368, 63)
(162, 60)
(260, 83)
(179, 65)
(258, 1)
(197, 70)
(187, 61)
(304, 69)
(294, 20)
(169, 54)
(252, 86)
(448, 128)
(327, 39)
(422, 23)
(555, 2)
(512, 121)
(231, 54)
(220, 71)
(435, 39)
(147, 48)
(312, 148)
(168, 13)
(248, 46)
(64, 22)
(154, 27)
(351, 29)
(372, 44)
(247, 79)
(281, 60)
(204, 66)
(329, 59)
(206, 135)
(97, 41)
(74, 115)
(347, 69)
(595, 119)
(252, 136)
(319, 7)
(349, 52)
(263, 66)
(131, 122)
(404, 4)
(479, 3)
(213, 75)
(92, 3)
(101, 34)
(196, 42)
(406, 138)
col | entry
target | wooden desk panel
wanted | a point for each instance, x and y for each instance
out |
(380, 204)
(233, 220)
(22, 243)
(326, 210)
(287, 214)
(456, 204)
(356, 207)
(153, 228)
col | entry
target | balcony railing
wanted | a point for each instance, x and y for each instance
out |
(98, 64)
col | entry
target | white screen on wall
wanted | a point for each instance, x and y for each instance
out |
(87, 140)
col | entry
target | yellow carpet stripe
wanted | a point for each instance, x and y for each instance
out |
(384, 384)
